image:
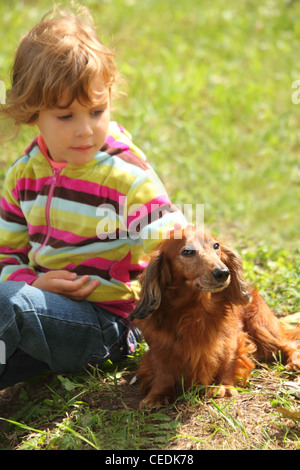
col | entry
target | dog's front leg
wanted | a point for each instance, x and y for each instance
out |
(161, 386)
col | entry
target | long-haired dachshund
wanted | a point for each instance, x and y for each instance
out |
(202, 323)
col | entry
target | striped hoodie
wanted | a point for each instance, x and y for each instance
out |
(100, 218)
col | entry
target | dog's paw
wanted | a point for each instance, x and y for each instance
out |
(153, 403)
(222, 391)
(293, 366)
(293, 363)
(156, 401)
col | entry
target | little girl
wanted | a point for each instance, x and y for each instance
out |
(79, 210)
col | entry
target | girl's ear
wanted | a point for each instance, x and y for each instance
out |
(153, 281)
(33, 120)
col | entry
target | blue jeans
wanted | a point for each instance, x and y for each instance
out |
(42, 330)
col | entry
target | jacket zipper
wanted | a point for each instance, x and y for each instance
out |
(47, 210)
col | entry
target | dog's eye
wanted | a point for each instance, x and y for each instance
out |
(188, 252)
(216, 246)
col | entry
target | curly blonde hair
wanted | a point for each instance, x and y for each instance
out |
(60, 53)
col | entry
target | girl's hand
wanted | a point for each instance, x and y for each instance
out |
(65, 283)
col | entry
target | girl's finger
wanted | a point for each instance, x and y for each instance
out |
(84, 291)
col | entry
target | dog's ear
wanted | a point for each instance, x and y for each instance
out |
(238, 290)
(153, 282)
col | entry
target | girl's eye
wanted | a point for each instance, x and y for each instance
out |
(97, 112)
(65, 117)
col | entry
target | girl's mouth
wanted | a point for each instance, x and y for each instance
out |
(82, 148)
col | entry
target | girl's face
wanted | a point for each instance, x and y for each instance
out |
(75, 134)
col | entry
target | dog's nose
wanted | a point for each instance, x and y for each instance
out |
(221, 275)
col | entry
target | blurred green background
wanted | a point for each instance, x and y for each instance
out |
(209, 100)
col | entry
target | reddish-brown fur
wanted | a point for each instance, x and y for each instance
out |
(200, 328)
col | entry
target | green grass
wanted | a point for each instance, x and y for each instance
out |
(209, 88)
(64, 418)
(87, 412)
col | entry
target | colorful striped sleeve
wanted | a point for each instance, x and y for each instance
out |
(14, 243)
(150, 213)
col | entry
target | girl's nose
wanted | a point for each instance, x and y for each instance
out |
(84, 129)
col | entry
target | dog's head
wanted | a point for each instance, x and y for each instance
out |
(196, 260)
